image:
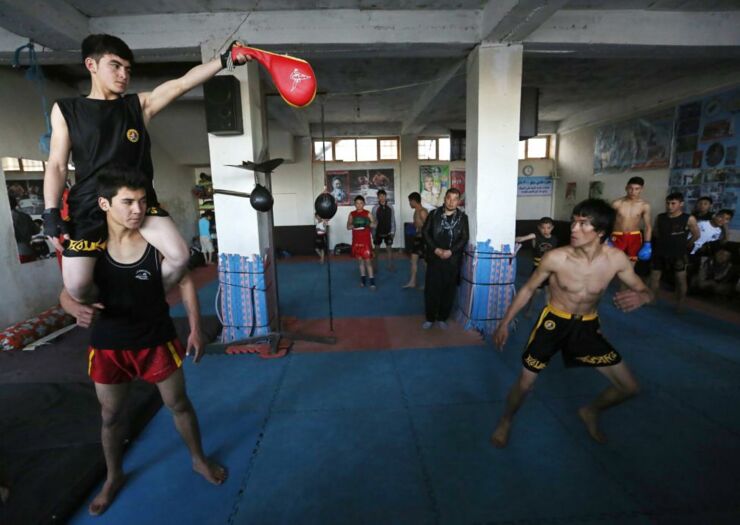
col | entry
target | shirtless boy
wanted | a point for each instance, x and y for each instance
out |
(631, 211)
(579, 275)
(417, 248)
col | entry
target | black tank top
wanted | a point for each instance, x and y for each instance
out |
(136, 314)
(672, 235)
(104, 132)
(543, 244)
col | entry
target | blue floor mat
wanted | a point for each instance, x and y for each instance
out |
(402, 436)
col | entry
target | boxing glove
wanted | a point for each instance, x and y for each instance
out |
(54, 225)
(645, 252)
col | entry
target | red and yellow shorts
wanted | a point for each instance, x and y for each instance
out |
(629, 242)
(153, 364)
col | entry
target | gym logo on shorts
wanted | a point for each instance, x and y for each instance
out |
(132, 135)
(85, 246)
(549, 325)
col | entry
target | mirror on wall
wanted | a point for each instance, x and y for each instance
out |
(24, 182)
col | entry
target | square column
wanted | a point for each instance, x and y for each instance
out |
(246, 268)
(494, 81)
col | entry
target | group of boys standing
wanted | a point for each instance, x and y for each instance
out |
(440, 237)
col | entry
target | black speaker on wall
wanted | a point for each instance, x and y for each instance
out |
(457, 144)
(223, 106)
(528, 112)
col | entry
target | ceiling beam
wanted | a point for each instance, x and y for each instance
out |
(640, 28)
(51, 23)
(293, 120)
(304, 27)
(411, 124)
(515, 20)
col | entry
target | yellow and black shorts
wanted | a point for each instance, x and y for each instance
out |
(578, 336)
(89, 233)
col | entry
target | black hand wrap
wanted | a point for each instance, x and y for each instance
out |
(54, 225)
(227, 61)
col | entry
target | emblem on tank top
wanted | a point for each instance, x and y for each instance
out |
(143, 275)
(132, 135)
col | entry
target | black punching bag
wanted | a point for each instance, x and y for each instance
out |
(261, 198)
(325, 206)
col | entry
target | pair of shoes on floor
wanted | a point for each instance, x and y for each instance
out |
(426, 325)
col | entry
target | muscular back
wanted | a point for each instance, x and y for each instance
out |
(577, 284)
(629, 214)
(420, 216)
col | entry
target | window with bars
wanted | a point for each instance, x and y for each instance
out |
(433, 148)
(534, 148)
(356, 149)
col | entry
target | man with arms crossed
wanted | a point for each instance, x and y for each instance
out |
(579, 275)
(133, 334)
(631, 211)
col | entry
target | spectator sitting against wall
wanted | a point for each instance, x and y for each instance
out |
(717, 274)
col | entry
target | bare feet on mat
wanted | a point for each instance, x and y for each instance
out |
(409, 285)
(212, 471)
(500, 436)
(590, 418)
(106, 496)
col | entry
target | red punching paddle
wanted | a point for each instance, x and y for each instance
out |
(294, 78)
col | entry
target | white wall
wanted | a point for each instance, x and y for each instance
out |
(26, 289)
(529, 208)
(575, 164)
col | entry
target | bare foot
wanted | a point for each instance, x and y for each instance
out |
(212, 471)
(105, 497)
(409, 285)
(4, 493)
(591, 419)
(500, 436)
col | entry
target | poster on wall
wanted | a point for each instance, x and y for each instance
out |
(641, 143)
(29, 195)
(368, 182)
(595, 189)
(434, 181)
(570, 192)
(457, 180)
(704, 161)
(534, 186)
(337, 183)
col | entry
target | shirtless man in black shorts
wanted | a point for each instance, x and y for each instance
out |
(417, 248)
(579, 275)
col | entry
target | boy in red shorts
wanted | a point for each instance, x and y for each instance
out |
(361, 222)
(133, 335)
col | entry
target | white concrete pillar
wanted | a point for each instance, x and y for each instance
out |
(494, 81)
(237, 222)
(246, 269)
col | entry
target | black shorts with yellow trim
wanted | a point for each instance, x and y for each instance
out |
(89, 233)
(577, 336)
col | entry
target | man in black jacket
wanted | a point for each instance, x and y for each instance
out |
(446, 234)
